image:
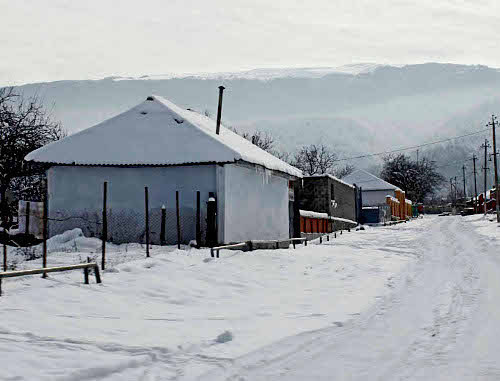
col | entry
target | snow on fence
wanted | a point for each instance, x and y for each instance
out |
(258, 244)
(322, 223)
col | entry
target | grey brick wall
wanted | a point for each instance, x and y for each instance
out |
(345, 197)
(316, 195)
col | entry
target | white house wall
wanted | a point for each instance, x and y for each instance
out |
(75, 197)
(256, 204)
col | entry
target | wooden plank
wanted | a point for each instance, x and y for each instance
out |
(230, 246)
(17, 273)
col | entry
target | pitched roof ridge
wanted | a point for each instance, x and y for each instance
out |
(85, 131)
(171, 107)
(184, 113)
(169, 135)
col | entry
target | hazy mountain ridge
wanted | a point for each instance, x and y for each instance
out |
(377, 108)
(265, 74)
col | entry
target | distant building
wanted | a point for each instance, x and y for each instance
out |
(382, 201)
(325, 194)
(166, 148)
(374, 189)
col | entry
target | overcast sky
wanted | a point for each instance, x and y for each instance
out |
(57, 39)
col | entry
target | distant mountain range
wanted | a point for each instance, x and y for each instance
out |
(267, 74)
(357, 109)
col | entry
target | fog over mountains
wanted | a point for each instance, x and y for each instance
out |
(356, 109)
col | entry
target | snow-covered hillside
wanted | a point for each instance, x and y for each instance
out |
(354, 109)
(266, 74)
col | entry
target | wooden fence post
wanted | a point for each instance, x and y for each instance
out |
(27, 220)
(198, 220)
(45, 228)
(86, 273)
(4, 257)
(163, 228)
(178, 219)
(97, 274)
(104, 236)
(146, 206)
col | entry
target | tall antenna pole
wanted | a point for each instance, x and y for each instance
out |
(493, 126)
(474, 158)
(219, 110)
(485, 169)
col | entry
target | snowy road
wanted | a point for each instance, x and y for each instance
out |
(441, 322)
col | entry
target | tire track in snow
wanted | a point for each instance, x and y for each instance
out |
(408, 335)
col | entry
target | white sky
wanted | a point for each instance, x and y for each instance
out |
(67, 39)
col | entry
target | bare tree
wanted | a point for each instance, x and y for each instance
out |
(344, 171)
(263, 140)
(24, 126)
(315, 160)
(418, 180)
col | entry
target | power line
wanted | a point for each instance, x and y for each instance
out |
(412, 147)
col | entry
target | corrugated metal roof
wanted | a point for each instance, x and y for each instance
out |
(368, 181)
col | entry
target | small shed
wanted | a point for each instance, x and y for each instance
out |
(168, 149)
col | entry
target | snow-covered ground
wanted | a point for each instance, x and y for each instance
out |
(183, 315)
(440, 322)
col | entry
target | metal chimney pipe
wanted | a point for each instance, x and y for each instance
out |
(219, 109)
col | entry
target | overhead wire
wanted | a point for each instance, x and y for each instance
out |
(410, 148)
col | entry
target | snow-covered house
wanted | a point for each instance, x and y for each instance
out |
(374, 189)
(166, 148)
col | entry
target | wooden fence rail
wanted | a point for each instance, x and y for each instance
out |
(45, 270)
(250, 245)
(233, 246)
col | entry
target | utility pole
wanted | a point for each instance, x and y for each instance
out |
(474, 158)
(485, 169)
(493, 126)
(465, 192)
(456, 193)
(451, 190)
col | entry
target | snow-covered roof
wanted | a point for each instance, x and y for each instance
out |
(367, 181)
(157, 132)
(331, 177)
